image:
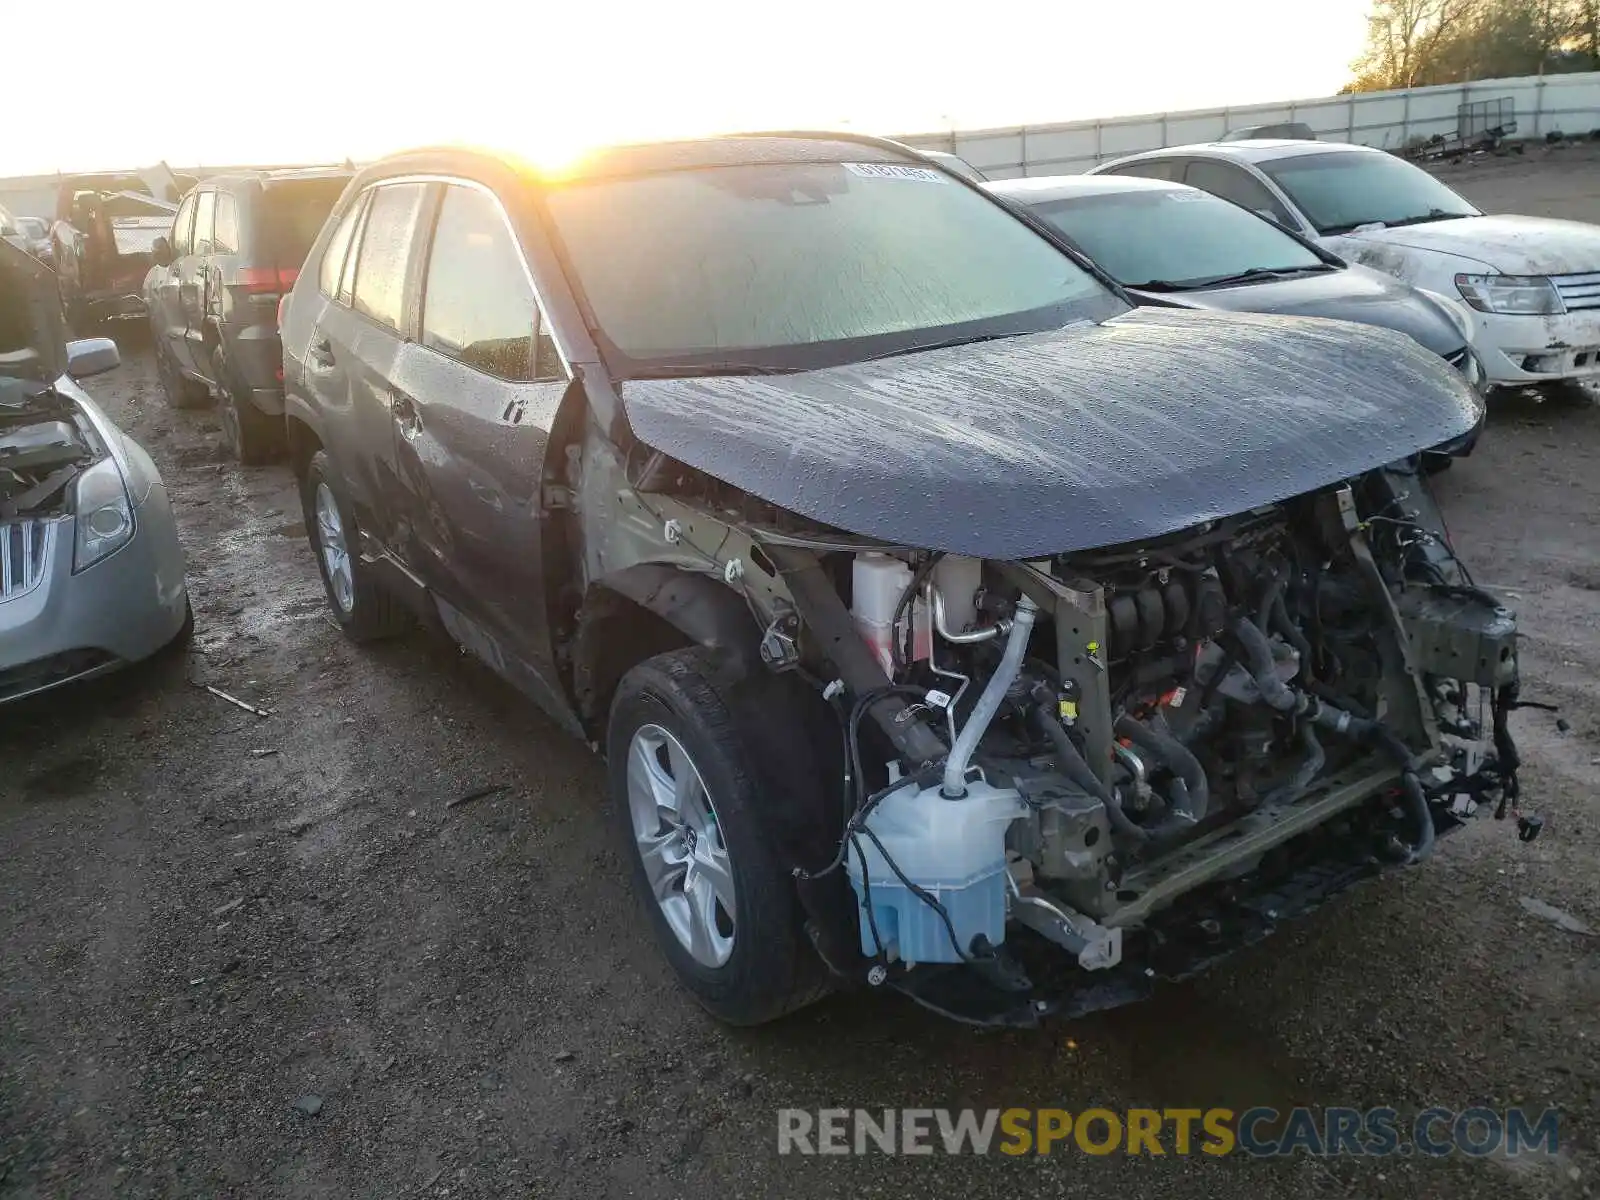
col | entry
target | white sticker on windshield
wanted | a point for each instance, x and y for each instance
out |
(896, 171)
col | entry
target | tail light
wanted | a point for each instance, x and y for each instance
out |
(266, 279)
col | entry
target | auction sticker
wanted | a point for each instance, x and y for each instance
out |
(880, 170)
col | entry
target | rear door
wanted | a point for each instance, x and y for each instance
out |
(474, 401)
(191, 269)
(166, 309)
(350, 360)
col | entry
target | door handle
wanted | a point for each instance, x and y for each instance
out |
(405, 415)
(320, 353)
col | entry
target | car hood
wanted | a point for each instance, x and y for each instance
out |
(1352, 294)
(1092, 435)
(36, 352)
(1511, 245)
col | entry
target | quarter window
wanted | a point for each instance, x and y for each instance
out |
(380, 283)
(183, 228)
(338, 246)
(204, 220)
(1231, 183)
(226, 238)
(479, 307)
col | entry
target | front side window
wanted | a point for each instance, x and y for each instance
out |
(1340, 190)
(385, 252)
(205, 211)
(789, 266)
(477, 304)
(1172, 237)
(226, 238)
(1233, 183)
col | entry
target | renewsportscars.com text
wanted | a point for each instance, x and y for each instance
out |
(1260, 1132)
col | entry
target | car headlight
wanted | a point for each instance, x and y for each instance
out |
(105, 515)
(1528, 294)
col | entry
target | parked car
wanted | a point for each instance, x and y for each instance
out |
(91, 572)
(1174, 246)
(1292, 130)
(235, 248)
(1533, 281)
(101, 242)
(947, 623)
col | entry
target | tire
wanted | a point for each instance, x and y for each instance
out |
(669, 723)
(364, 609)
(180, 392)
(252, 437)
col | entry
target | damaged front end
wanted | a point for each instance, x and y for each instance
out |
(1070, 775)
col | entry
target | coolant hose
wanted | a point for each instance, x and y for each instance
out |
(955, 767)
(1175, 756)
(1310, 767)
(1424, 818)
(1262, 666)
(1077, 770)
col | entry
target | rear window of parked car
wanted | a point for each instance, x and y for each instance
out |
(293, 213)
(385, 252)
(478, 306)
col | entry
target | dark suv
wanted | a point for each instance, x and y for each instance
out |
(236, 247)
(947, 623)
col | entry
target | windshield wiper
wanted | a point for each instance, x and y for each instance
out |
(944, 345)
(694, 370)
(1162, 285)
(1255, 273)
(1433, 214)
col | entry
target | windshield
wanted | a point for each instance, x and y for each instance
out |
(1172, 235)
(295, 211)
(800, 265)
(1340, 191)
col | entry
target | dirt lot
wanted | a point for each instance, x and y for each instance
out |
(208, 917)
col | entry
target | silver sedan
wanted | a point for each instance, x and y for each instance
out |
(91, 570)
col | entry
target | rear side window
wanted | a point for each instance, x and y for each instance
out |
(293, 213)
(226, 238)
(478, 306)
(1232, 183)
(1154, 168)
(338, 246)
(205, 211)
(385, 252)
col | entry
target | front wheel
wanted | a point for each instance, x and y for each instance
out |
(685, 802)
(365, 610)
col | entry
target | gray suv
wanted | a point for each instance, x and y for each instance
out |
(236, 247)
(948, 624)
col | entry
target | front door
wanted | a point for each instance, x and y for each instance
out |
(191, 268)
(474, 400)
(166, 309)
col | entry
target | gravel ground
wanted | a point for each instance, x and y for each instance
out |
(210, 917)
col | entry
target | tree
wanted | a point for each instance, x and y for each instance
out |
(1413, 43)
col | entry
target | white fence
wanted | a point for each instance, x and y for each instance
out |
(1568, 103)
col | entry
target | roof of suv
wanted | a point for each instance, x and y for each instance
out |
(1256, 150)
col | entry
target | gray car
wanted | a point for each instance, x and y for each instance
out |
(91, 572)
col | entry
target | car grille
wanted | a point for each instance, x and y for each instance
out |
(1578, 292)
(24, 549)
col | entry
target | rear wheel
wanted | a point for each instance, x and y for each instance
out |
(252, 437)
(685, 803)
(363, 607)
(179, 391)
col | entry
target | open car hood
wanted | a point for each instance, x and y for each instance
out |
(33, 334)
(1092, 435)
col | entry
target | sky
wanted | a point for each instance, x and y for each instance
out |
(319, 80)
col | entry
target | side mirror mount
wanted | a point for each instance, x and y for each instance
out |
(92, 356)
(161, 251)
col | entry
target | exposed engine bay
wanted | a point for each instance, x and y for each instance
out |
(1107, 744)
(44, 444)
